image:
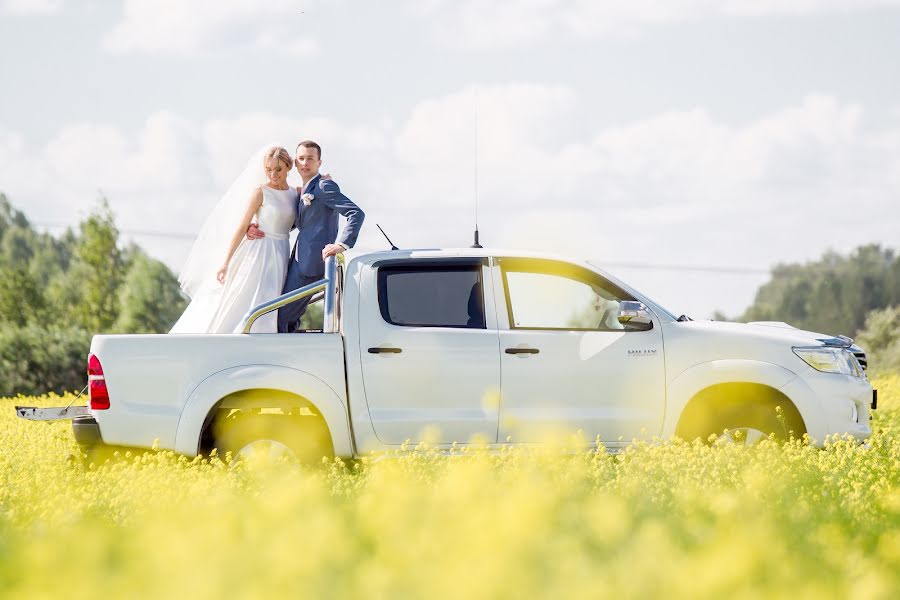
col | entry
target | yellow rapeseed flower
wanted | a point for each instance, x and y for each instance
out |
(669, 519)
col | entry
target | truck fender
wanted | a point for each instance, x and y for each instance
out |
(692, 381)
(249, 377)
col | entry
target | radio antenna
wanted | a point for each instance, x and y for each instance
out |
(393, 247)
(476, 244)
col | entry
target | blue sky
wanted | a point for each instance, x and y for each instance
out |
(680, 132)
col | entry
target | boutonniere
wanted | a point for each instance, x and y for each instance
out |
(307, 198)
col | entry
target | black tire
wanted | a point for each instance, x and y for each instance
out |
(741, 409)
(748, 424)
(307, 438)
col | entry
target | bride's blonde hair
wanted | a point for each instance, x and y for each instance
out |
(279, 153)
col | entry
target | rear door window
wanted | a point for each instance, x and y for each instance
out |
(432, 296)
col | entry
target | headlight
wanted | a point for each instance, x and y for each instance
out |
(830, 360)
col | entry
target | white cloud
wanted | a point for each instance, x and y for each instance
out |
(780, 182)
(175, 27)
(165, 177)
(156, 179)
(31, 7)
(165, 155)
(480, 24)
(520, 126)
(676, 188)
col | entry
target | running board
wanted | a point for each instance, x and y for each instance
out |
(34, 413)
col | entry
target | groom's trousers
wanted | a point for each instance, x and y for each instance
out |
(289, 316)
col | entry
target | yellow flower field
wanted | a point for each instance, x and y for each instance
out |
(660, 520)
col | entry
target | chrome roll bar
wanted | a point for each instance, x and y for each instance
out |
(328, 285)
(329, 325)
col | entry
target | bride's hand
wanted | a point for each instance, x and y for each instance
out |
(327, 177)
(220, 275)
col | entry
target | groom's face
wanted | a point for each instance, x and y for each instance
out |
(307, 162)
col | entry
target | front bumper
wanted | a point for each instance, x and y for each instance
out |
(835, 405)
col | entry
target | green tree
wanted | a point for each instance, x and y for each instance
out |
(21, 298)
(831, 295)
(150, 297)
(90, 295)
(17, 245)
(51, 257)
(313, 317)
(9, 215)
(37, 360)
(59, 291)
(881, 339)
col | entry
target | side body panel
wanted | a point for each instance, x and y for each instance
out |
(606, 384)
(263, 377)
(700, 354)
(151, 377)
(699, 377)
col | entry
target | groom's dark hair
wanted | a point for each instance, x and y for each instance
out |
(310, 144)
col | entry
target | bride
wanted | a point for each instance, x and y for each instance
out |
(227, 274)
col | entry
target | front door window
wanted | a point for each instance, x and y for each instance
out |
(552, 295)
(548, 301)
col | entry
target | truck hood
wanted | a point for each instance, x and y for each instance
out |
(775, 331)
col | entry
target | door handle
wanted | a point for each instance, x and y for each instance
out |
(377, 350)
(522, 351)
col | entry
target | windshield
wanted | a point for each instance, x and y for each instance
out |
(654, 305)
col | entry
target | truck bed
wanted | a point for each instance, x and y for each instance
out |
(152, 379)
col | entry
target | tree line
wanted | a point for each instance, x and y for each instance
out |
(59, 291)
(856, 295)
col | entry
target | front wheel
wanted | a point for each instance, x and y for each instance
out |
(742, 414)
(274, 436)
(741, 436)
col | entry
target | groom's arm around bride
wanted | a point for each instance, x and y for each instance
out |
(319, 205)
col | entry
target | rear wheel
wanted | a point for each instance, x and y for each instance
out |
(273, 436)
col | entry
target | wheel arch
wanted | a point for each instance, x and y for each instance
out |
(262, 386)
(695, 384)
(713, 406)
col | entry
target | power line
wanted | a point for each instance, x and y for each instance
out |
(142, 232)
(700, 268)
(620, 265)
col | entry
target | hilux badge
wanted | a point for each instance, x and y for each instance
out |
(645, 352)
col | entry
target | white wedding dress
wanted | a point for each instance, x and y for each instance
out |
(255, 274)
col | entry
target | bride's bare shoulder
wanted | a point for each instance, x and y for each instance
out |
(257, 195)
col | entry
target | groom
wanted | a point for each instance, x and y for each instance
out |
(321, 201)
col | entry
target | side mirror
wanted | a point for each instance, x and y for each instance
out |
(635, 316)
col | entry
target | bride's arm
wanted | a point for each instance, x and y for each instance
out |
(252, 207)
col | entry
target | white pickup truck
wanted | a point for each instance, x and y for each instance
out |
(469, 345)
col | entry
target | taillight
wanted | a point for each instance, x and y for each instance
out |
(97, 385)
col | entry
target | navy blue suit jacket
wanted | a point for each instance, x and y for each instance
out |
(318, 225)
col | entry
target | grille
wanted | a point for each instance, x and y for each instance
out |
(861, 357)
